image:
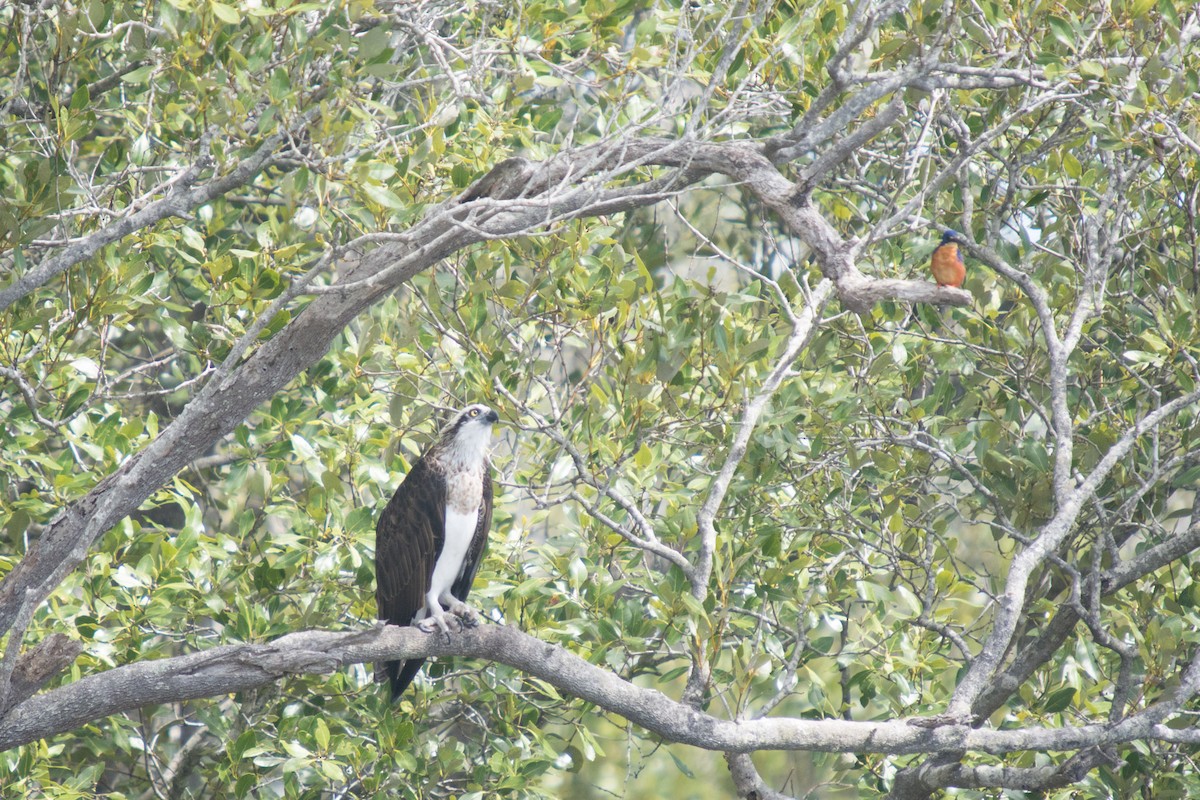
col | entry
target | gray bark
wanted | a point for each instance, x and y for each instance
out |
(233, 668)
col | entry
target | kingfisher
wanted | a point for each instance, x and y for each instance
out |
(947, 263)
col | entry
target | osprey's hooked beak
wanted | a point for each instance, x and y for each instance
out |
(491, 417)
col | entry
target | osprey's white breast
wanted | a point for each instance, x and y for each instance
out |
(460, 530)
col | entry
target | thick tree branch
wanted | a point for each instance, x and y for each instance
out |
(1051, 636)
(37, 667)
(918, 783)
(747, 164)
(233, 668)
(845, 148)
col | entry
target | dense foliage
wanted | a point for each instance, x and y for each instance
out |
(907, 456)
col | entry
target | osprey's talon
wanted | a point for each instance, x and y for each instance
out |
(435, 622)
(468, 616)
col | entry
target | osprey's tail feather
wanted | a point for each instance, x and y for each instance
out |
(399, 674)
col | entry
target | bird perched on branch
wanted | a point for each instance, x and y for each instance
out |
(432, 536)
(947, 263)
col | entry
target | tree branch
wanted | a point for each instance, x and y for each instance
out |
(36, 667)
(234, 668)
(1011, 602)
(920, 782)
(802, 331)
(748, 782)
(181, 198)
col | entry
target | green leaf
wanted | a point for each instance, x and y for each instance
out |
(1062, 30)
(227, 14)
(383, 196)
(245, 783)
(138, 76)
(682, 767)
(1188, 477)
(80, 99)
(1059, 700)
(643, 457)
(321, 734)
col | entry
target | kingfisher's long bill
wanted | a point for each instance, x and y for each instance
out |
(947, 263)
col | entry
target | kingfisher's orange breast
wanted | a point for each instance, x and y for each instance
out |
(947, 265)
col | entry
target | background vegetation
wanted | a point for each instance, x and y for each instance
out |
(723, 474)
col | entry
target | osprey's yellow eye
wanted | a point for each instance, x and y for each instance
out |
(474, 412)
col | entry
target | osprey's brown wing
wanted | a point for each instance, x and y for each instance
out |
(462, 586)
(408, 539)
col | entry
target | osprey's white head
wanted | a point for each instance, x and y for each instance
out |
(465, 440)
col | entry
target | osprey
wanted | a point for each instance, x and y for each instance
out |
(431, 537)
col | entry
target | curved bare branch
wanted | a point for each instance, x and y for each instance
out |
(232, 668)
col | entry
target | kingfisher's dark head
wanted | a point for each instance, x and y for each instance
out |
(949, 235)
